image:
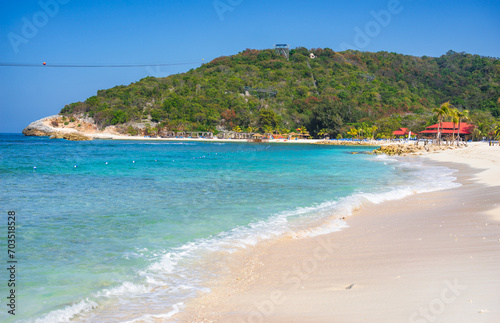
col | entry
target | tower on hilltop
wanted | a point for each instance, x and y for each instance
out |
(282, 49)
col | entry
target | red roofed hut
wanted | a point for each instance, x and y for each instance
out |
(401, 132)
(449, 129)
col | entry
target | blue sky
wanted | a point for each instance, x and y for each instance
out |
(152, 32)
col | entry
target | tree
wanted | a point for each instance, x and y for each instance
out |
(302, 129)
(361, 132)
(496, 132)
(268, 118)
(237, 129)
(476, 133)
(323, 132)
(453, 113)
(326, 114)
(353, 132)
(441, 112)
(372, 130)
(267, 129)
(461, 115)
(92, 102)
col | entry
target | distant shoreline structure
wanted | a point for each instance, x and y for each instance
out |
(51, 126)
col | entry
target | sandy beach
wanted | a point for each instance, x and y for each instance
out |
(431, 257)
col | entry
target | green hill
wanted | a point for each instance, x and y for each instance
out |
(332, 91)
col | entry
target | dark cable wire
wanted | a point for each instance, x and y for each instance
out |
(92, 65)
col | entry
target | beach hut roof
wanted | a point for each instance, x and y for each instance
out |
(450, 128)
(401, 132)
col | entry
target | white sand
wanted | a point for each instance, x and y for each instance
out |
(477, 155)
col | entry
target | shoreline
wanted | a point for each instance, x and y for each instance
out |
(389, 147)
(109, 136)
(393, 263)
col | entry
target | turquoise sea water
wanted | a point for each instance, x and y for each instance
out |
(117, 231)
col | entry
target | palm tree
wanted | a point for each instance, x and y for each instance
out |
(302, 129)
(360, 132)
(372, 130)
(496, 132)
(353, 132)
(237, 129)
(278, 130)
(323, 132)
(442, 111)
(478, 131)
(454, 119)
(461, 115)
(268, 129)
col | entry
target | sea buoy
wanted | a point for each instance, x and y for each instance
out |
(76, 166)
(133, 162)
(34, 168)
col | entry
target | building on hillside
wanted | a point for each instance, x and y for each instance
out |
(448, 129)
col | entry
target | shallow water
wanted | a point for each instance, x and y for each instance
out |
(117, 231)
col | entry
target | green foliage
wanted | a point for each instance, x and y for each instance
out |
(92, 102)
(331, 92)
(119, 117)
(268, 118)
(132, 131)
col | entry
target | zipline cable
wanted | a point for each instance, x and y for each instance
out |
(44, 64)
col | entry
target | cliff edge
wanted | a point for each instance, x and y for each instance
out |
(58, 127)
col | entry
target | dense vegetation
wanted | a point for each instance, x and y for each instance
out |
(328, 94)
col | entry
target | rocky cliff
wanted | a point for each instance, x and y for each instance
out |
(57, 128)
